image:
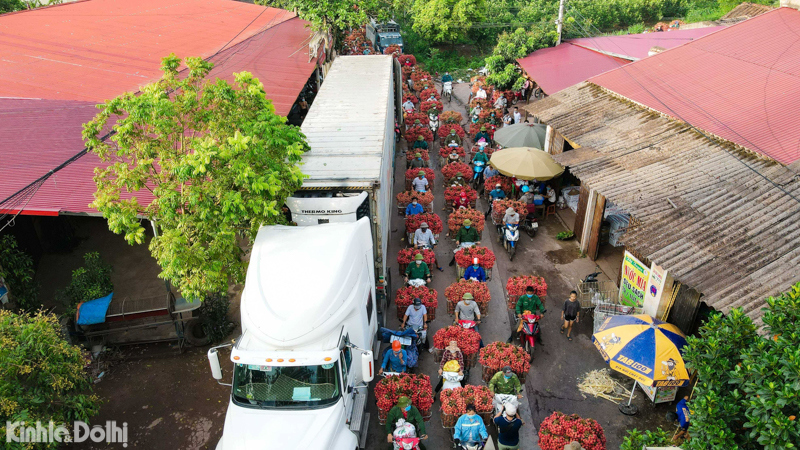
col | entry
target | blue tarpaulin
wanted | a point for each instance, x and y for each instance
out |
(94, 311)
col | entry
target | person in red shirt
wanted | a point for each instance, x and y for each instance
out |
(460, 202)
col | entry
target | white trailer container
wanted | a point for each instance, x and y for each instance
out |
(350, 130)
(302, 364)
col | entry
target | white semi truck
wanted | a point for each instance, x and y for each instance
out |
(314, 296)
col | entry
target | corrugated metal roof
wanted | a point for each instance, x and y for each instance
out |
(346, 125)
(73, 56)
(637, 46)
(562, 66)
(741, 83)
(706, 214)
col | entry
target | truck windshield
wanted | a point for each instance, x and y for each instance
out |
(285, 387)
(391, 40)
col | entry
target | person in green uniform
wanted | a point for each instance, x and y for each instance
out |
(483, 134)
(458, 180)
(417, 162)
(408, 412)
(467, 233)
(527, 302)
(420, 143)
(505, 382)
(452, 138)
(480, 156)
(418, 270)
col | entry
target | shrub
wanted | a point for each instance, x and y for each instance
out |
(88, 283)
(16, 267)
(214, 314)
(636, 440)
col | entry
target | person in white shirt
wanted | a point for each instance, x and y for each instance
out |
(511, 216)
(424, 236)
(551, 195)
(420, 183)
(517, 116)
(408, 106)
(481, 93)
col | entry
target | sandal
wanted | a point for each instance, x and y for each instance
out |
(569, 337)
(562, 330)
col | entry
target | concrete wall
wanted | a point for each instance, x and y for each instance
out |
(791, 3)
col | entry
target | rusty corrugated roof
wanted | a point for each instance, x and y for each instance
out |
(746, 10)
(706, 212)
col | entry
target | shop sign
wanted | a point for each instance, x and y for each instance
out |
(655, 288)
(634, 281)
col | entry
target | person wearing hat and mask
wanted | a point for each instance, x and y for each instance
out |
(458, 180)
(527, 302)
(508, 424)
(470, 428)
(475, 272)
(511, 216)
(408, 106)
(480, 156)
(460, 202)
(420, 143)
(424, 236)
(505, 382)
(417, 318)
(466, 234)
(417, 162)
(408, 412)
(414, 207)
(451, 353)
(452, 138)
(418, 270)
(482, 134)
(495, 194)
(467, 309)
(420, 184)
(395, 359)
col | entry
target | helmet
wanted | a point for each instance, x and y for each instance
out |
(422, 172)
(483, 128)
(467, 296)
(467, 222)
(459, 174)
(419, 138)
(419, 257)
(396, 346)
(463, 194)
(525, 189)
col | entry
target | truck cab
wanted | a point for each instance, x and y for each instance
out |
(302, 364)
(383, 35)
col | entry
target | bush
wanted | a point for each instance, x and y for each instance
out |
(16, 267)
(636, 440)
(214, 314)
(41, 375)
(88, 283)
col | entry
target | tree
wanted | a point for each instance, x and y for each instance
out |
(41, 375)
(16, 268)
(90, 282)
(338, 15)
(217, 160)
(11, 6)
(747, 391)
(503, 72)
(446, 20)
(636, 440)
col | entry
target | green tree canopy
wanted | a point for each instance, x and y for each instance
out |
(502, 68)
(217, 160)
(446, 20)
(41, 375)
(748, 390)
(338, 15)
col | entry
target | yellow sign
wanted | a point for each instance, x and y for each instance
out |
(634, 281)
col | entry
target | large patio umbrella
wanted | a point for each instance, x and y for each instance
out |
(643, 348)
(526, 163)
(522, 135)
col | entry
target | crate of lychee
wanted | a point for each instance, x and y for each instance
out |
(406, 256)
(454, 403)
(517, 286)
(468, 342)
(444, 155)
(456, 220)
(504, 182)
(404, 198)
(451, 171)
(430, 175)
(411, 154)
(453, 193)
(466, 257)
(404, 297)
(499, 208)
(480, 295)
(417, 387)
(413, 222)
(497, 355)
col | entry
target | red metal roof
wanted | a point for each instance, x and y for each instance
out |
(741, 83)
(557, 68)
(637, 46)
(59, 62)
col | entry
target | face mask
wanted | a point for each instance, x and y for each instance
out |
(414, 203)
(507, 377)
(459, 178)
(475, 266)
(420, 158)
(418, 262)
(408, 408)
(466, 226)
(416, 307)
(530, 295)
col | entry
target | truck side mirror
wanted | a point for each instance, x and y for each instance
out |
(213, 360)
(367, 368)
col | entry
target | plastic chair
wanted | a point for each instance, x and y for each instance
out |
(551, 210)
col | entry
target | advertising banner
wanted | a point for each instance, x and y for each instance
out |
(655, 290)
(634, 281)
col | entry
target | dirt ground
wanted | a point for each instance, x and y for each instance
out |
(169, 399)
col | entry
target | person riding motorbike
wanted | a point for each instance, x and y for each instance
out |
(470, 428)
(480, 156)
(447, 77)
(452, 138)
(453, 157)
(495, 194)
(418, 162)
(408, 412)
(482, 134)
(414, 207)
(408, 106)
(490, 171)
(460, 202)
(467, 233)
(527, 302)
(493, 119)
(423, 236)
(458, 180)
(417, 317)
(395, 359)
(505, 382)
(420, 184)
(501, 102)
(418, 270)
(511, 217)
(420, 143)
(451, 375)
(475, 272)
(468, 309)
(451, 353)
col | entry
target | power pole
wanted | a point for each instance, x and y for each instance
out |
(560, 21)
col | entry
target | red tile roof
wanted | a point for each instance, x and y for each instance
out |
(637, 46)
(59, 62)
(557, 68)
(741, 83)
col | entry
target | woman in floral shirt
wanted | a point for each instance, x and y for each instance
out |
(451, 352)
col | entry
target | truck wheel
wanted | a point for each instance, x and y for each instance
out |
(195, 333)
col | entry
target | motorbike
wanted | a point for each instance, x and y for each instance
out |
(591, 278)
(477, 178)
(530, 225)
(447, 90)
(409, 339)
(405, 437)
(530, 330)
(433, 123)
(397, 133)
(510, 236)
(472, 445)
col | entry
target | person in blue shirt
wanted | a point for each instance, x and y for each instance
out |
(395, 358)
(414, 207)
(683, 418)
(495, 194)
(475, 271)
(470, 428)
